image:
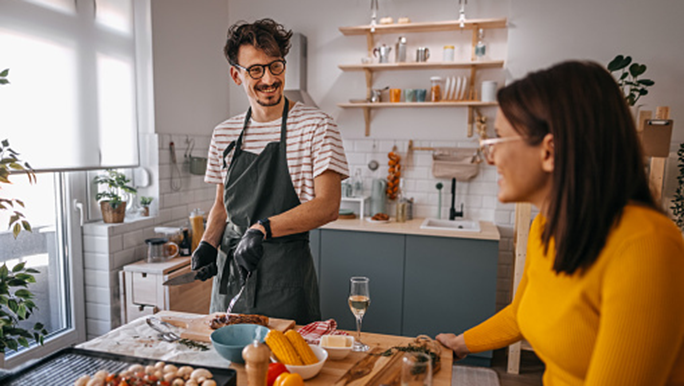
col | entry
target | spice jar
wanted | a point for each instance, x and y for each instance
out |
(436, 89)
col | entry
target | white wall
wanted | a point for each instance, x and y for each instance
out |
(190, 72)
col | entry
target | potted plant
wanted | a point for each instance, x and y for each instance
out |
(678, 200)
(145, 204)
(632, 87)
(111, 202)
(16, 305)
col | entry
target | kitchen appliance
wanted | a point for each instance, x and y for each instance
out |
(382, 53)
(296, 74)
(160, 249)
(378, 196)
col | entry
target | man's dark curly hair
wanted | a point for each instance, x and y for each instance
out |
(264, 34)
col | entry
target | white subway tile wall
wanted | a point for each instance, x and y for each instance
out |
(109, 247)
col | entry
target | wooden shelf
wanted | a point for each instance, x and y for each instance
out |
(421, 66)
(435, 26)
(417, 104)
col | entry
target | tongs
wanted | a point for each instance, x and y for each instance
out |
(163, 329)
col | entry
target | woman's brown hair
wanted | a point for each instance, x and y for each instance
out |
(264, 34)
(598, 163)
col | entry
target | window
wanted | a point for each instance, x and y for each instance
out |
(73, 82)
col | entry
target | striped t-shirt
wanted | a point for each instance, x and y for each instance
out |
(314, 145)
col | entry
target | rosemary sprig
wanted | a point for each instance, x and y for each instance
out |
(193, 345)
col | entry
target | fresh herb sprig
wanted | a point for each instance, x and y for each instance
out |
(193, 345)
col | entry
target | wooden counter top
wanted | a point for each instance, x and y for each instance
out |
(488, 230)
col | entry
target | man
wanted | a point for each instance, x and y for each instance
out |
(278, 169)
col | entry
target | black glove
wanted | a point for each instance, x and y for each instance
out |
(204, 255)
(249, 251)
(206, 272)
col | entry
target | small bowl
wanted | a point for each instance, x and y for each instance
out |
(337, 353)
(310, 371)
(230, 340)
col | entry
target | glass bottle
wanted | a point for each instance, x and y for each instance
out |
(357, 184)
(436, 89)
(480, 47)
(401, 209)
(185, 244)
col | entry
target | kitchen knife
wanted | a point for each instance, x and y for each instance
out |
(206, 271)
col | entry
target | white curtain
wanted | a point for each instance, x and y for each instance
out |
(71, 102)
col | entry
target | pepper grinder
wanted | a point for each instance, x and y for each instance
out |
(256, 356)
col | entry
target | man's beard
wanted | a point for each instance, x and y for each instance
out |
(270, 102)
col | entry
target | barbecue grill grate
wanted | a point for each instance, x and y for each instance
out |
(64, 367)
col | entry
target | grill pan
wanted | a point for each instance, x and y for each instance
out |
(64, 367)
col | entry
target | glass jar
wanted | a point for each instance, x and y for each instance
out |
(436, 88)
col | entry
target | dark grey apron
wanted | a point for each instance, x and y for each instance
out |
(284, 284)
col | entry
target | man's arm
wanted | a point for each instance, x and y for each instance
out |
(323, 209)
(216, 222)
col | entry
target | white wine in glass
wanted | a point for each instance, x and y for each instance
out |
(359, 300)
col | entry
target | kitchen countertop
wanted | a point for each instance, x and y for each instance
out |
(488, 231)
(137, 339)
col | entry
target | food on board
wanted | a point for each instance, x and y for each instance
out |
(228, 319)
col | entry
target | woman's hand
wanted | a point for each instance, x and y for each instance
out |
(455, 343)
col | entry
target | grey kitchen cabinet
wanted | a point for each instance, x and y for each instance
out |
(378, 256)
(418, 284)
(449, 286)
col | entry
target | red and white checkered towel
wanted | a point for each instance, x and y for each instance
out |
(312, 332)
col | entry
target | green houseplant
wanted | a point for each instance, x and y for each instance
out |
(16, 301)
(145, 204)
(9, 161)
(111, 202)
(16, 305)
(628, 80)
(678, 200)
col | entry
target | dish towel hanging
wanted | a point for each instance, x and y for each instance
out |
(463, 164)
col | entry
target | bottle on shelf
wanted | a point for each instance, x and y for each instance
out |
(357, 184)
(185, 244)
(480, 47)
(401, 209)
(197, 224)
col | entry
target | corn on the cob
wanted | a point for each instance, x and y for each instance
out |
(282, 348)
(303, 349)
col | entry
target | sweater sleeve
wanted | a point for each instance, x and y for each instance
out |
(641, 331)
(502, 329)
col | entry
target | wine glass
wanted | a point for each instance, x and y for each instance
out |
(359, 300)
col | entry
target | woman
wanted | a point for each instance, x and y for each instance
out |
(601, 299)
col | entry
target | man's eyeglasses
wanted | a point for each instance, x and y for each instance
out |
(257, 71)
(487, 145)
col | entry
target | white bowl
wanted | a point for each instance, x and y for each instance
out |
(310, 371)
(338, 353)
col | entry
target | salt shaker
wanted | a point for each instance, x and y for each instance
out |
(256, 356)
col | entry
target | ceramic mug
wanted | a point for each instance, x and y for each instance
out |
(422, 54)
(395, 95)
(410, 95)
(421, 93)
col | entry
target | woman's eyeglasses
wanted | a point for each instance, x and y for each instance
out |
(257, 71)
(487, 145)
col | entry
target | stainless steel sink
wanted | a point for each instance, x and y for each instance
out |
(451, 225)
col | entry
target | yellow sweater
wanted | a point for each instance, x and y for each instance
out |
(620, 323)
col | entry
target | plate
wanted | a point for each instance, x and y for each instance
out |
(369, 219)
(457, 92)
(447, 87)
(464, 88)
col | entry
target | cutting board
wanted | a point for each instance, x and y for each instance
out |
(373, 369)
(198, 328)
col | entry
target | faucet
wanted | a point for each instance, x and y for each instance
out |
(452, 211)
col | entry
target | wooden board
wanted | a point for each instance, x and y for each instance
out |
(198, 328)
